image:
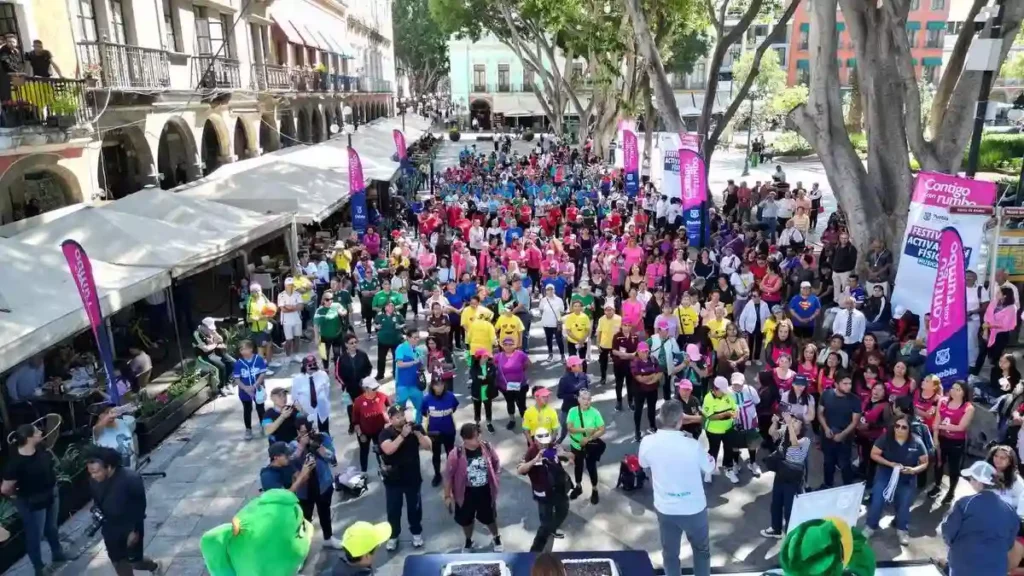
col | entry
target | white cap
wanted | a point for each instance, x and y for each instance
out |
(721, 384)
(289, 281)
(210, 323)
(805, 285)
(898, 312)
(255, 287)
(371, 383)
(981, 472)
(542, 436)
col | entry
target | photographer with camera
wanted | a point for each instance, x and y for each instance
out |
(318, 448)
(119, 510)
(544, 464)
(400, 457)
(281, 421)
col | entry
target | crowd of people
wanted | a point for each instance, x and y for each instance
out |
(760, 334)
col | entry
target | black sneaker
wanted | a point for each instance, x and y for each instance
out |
(436, 481)
(575, 493)
(948, 498)
(618, 406)
(511, 424)
(490, 428)
(934, 492)
(558, 534)
(593, 497)
(637, 438)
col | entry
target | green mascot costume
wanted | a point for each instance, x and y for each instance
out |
(826, 547)
(268, 537)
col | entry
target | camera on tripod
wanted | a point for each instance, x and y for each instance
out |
(97, 522)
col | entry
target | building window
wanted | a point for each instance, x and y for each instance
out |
(528, 79)
(933, 38)
(117, 30)
(86, 19)
(912, 37)
(938, 4)
(299, 54)
(803, 76)
(479, 78)
(804, 38)
(202, 31)
(503, 78)
(782, 56)
(915, 4)
(171, 42)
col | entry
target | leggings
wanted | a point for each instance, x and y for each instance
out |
(247, 413)
(583, 459)
(755, 341)
(951, 456)
(867, 465)
(364, 451)
(556, 334)
(622, 377)
(439, 441)
(717, 440)
(323, 511)
(332, 346)
(366, 306)
(602, 361)
(639, 398)
(515, 399)
(487, 409)
(382, 357)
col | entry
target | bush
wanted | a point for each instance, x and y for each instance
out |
(998, 151)
(791, 144)
(860, 142)
(454, 135)
(528, 136)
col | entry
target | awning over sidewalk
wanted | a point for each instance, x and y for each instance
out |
(43, 302)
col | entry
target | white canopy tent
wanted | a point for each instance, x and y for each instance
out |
(42, 305)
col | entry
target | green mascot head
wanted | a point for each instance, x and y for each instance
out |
(826, 547)
(268, 537)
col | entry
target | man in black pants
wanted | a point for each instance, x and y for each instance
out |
(543, 463)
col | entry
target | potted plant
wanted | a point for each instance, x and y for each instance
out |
(91, 73)
(12, 540)
(321, 74)
(158, 416)
(454, 135)
(62, 111)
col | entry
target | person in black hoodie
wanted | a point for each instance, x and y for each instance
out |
(877, 310)
(352, 366)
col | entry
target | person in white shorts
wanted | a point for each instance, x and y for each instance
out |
(290, 305)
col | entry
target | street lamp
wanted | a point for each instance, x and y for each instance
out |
(346, 115)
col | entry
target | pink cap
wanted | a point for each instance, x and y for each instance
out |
(693, 352)
(643, 347)
(574, 361)
(541, 392)
(685, 385)
(661, 324)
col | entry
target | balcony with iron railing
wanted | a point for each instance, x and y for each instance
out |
(215, 73)
(54, 102)
(271, 77)
(121, 66)
(374, 85)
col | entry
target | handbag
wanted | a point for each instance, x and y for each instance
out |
(785, 470)
(595, 449)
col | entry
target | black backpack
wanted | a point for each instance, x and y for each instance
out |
(631, 475)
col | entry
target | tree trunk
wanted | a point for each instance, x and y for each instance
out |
(855, 118)
(656, 68)
(649, 119)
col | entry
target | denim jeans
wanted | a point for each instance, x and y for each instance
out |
(783, 494)
(906, 492)
(39, 524)
(836, 454)
(553, 513)
(410, 495)
(695, 526)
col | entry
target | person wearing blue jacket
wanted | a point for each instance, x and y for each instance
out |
(569, 385)
(317, 447)
(981, 528)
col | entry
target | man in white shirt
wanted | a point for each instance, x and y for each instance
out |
(476, 237)
(290, 305)
(674, 214)
(743, 282)
(660, 208)
(677, 466)
(311, 393)
(851, 324)
(977, 301)
(730, 263)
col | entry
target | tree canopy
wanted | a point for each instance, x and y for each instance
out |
(421, 47)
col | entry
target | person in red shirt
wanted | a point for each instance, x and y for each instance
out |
(369, 417)
(454, 214)
(615, 221)
(525, 215)
(572, 214)
(640, 221)
(759, 267)
(743, 204)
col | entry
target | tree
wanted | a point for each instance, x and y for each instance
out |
(421, 47)
(720, 13)
(769, 81)
(876, 195)
(1013, 68)
(855, 115)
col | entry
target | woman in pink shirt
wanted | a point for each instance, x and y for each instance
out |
(952, 419)
(426, 259)
(372, 242)
(680, 271)
(633, 311)
(655, 272)
(1000, 320)
(633, 254)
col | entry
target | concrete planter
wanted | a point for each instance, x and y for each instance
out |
(153, 429)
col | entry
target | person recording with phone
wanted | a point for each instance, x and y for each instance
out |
(318, 448)
(402, 477)
(119, 507)
(281, 421)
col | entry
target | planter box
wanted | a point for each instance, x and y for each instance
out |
(153, 429)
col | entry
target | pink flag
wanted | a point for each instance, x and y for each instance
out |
(947, 326)
(400, 144)
(81, 273)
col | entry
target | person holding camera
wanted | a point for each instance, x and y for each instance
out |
(281, 421)
(318, 448)
(544, 464)
(30, 479)
(791, 456)
(400, 457)
(119, 508)
(283, 472)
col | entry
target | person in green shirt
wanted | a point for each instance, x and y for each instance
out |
(330, 324)
(390, 325)
(385, 295)
(368, 288)
(720, 412)
(586, 426)
(585, 298)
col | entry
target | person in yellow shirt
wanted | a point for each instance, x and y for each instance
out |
(716, 325)
(480, 335)
(607, 327)
(474, 311)
(688, 317)
(540, 415)
(342, 258)
(772, 323)
(576, 326)
(508, 325)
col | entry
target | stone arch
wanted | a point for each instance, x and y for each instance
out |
(270, 136)
(287, 132)
(481, 110)
(339, 115)
(316, 132)
(223, 134)
(36, 182)
(212, 148)
(125, 163)
(303, 125)
(329, 119)
(241, 148)
(176, 154)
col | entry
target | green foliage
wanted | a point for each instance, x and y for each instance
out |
(791, 144)
(860, 142)
(999, 152)
(70, 463)
(685, 49)
(528, 136)
(8, 512)
(1013, 67)
(454, 135)
(783, 102)
(771, 77)
(421, 46)
(64, 104)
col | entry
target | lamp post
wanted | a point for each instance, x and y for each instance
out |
(346, 115)
(986, 59)
(401, 110)
(750, 129)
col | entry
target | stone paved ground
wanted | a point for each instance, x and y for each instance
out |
(212, 472)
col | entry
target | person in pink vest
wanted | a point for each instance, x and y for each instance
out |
(471, 485)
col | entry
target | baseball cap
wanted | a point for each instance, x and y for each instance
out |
(609, 304)
(584, 284)
(776, 309)
(289, 281)
(574, 361)
(279, 449)
(255, 287)
(542, 436)
(363, 538)
(721, 384)
(805, 284)
(981, 471)
(371, 383)
(482, 353)
(541, 392)
(661, 324)
(210, 322)
(898, 312)
(693, 352)
(643, 347)
(685, 384)
(800, 380)
(738, 378)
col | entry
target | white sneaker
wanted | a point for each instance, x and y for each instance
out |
(754, 469)
(903, 537)
(417, 541)
(297, 358)
(731, 475)
(333, 543)
(391, 545)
